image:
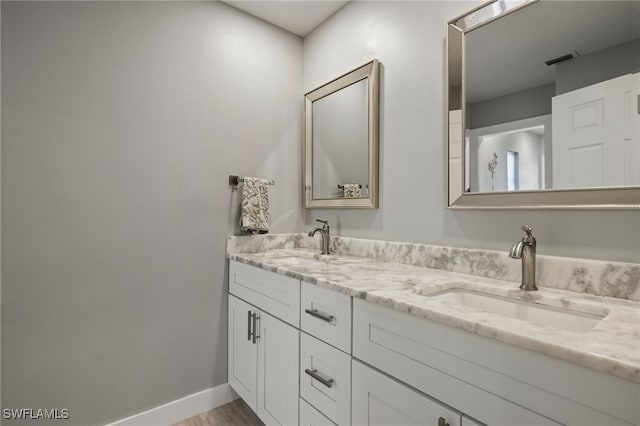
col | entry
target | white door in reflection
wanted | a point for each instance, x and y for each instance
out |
(595, 135)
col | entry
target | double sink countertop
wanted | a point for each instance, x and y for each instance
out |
(612, 346)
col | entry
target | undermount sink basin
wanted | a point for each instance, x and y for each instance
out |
(511, 308)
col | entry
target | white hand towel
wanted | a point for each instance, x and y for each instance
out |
(254, 215)
(351, 190)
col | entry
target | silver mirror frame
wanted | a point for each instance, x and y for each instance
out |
(368, 71)
(583, 198)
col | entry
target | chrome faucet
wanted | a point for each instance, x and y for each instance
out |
(324, 233)
(525, 249)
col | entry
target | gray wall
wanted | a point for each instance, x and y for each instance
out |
(120, 124)
(597, 66)
(409, 40)
(527, 103)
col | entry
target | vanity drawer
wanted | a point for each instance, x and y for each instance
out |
(271, 292)
(325, 378)
(309, 416)
(430, 357)
(326, 314)
(381, 400)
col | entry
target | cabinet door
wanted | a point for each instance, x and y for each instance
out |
(243, 353)
(278, 345)
(378, 400)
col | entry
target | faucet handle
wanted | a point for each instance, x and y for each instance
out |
(528, 237)
(325, 222)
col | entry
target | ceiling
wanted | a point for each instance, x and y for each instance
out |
(299, 17)
(509, 54)
(514, 48)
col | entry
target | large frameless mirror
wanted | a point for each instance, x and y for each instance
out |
(341, 141)
(544, 105)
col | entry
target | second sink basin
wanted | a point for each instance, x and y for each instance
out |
(549, 316)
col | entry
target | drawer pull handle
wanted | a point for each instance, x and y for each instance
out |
(315, 313)
(314, 373)
(442, 422)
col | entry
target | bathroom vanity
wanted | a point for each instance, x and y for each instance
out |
(361, 340)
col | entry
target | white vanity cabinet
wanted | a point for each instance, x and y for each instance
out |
(302, 354)
(264, 349)
(492, 382)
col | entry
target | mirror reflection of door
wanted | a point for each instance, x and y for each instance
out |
(596, 135)
(340, 141)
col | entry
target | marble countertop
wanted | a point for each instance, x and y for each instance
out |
(612, 346)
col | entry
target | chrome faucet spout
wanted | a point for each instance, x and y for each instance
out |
(525, 249)
(324, 234)
(516, 250)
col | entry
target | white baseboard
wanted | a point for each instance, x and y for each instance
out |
(180, 409)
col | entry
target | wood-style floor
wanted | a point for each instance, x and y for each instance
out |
(235, 413)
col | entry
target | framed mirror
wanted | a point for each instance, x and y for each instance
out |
(543, 105)
(341, 141)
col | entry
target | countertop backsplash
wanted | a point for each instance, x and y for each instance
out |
(600, 278)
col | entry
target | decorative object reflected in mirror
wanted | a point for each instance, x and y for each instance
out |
(544, 105)
(341, 141)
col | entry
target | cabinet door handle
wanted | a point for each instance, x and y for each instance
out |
(317, 314)
(249, 315)
(442, 422)
(255, 327)
(314, 373)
